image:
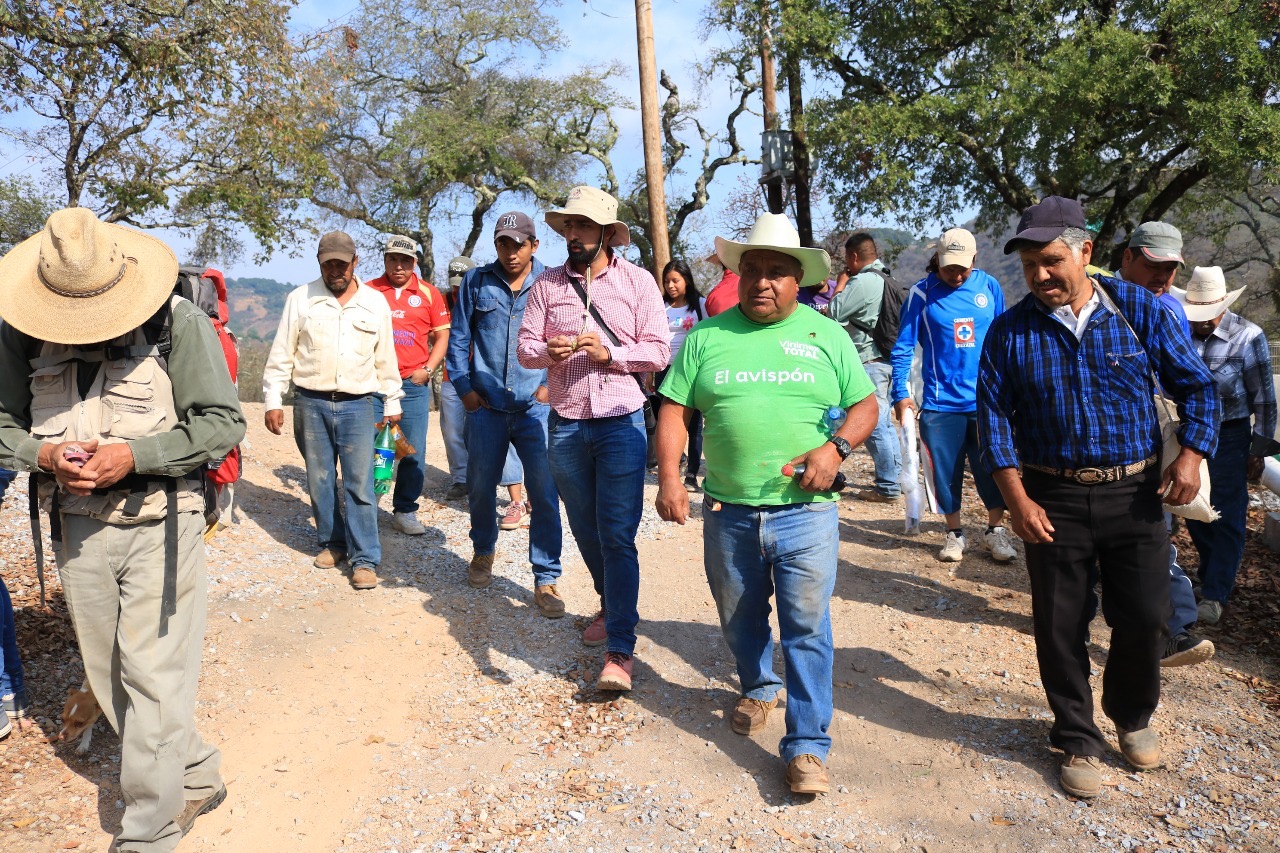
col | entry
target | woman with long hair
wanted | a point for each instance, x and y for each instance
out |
(685, 308)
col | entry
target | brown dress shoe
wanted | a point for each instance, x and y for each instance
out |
(750, 715)
(328, 558)
(548, 600)
(806, 774)
(364, 578)
(1140, 748)
(480, 572)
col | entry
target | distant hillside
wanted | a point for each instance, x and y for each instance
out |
(256, 305)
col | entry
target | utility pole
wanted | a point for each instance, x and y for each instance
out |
(769, 84)
(799, 148)
(649, 120)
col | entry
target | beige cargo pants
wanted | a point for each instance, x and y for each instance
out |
(113, 576)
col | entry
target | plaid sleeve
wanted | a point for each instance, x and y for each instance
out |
(995, 402)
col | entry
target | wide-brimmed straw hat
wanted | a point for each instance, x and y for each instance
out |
(1206, 295)
(596, 205)
(83, 281)
(773, 231)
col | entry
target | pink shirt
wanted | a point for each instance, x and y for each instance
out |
(628, 299)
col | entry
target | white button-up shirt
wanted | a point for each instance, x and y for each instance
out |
(323, 345)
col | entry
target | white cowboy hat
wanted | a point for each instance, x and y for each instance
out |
(596, 205)
(82, 281)
(775, 232)
(1206, 295)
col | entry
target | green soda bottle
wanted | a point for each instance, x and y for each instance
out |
(384, 460)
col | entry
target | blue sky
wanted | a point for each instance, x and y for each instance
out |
(597, 32)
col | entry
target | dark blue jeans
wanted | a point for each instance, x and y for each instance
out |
(11, 680)
(341, 434)
(598, 466)
(489, 436)
(1221, 543)
(411, 473)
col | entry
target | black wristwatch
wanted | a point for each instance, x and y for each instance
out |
(843, 447)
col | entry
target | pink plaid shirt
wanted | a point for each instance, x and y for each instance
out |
(628, 299)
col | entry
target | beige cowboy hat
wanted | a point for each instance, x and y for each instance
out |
(775, 232)
(82, 281)
(596, 205)
(1206, 295)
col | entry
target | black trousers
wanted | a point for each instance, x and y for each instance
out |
(1120, 527)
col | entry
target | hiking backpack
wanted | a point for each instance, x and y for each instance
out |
(884, 334)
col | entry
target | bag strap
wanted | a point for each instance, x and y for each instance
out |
(1115, 302)
(604, 327)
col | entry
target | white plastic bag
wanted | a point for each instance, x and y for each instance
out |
(909, 475)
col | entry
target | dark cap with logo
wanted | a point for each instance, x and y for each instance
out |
(1044, 222)
(457, 268)
(336, 244)
(515, 225)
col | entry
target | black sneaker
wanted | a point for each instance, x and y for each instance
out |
(1184, 650)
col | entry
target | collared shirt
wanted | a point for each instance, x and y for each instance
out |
(1045, 398)
(211, 422)
(627, 298)
(859, 306)
(1238, 357)
(482, 343)
(323, 345)
(1077, 323)
(724, 295)
(417, 310)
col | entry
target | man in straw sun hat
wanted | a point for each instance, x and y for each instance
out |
(1069, 432)
(84, 372)
(1236, 353)
(765, 374)
(594, 323)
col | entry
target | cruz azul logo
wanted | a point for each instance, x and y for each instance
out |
(415, 301)
(964, 332)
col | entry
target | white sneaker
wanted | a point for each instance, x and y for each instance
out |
(407, 523)
(953, 549)
(1000, 545)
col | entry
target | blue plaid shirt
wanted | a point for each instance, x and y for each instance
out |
(1045, 398)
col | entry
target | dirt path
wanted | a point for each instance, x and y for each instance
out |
(428, 716)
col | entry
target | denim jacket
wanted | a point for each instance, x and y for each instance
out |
(482, 340)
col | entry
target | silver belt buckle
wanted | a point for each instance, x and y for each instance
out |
(1091, 476)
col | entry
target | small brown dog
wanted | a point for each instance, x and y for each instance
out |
(78, 717)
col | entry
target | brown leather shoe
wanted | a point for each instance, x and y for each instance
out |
(1140, 748)
(328, 558)
(1081, 776)
(806, 774)
(363, 578)
(548, 600)
(480, 572)
(194, 808)
(750, 715)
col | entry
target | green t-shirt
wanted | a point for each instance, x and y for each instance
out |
(763, 391)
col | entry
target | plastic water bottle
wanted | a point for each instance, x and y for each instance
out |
(384, 460)
(832, 420)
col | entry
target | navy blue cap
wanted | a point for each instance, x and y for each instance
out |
(1045, 222)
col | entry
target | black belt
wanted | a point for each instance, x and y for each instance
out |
(331, 396)
(1095, 476)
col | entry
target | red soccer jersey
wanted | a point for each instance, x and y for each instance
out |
(415, 313)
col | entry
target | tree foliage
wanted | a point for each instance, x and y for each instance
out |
(438, 114)
(177, 113)
(23, 210)
(1126, 104)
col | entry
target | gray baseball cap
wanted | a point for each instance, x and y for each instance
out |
(457, 268)
(1159, 242)
(516, 225)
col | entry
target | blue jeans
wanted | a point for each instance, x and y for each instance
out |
(491, 437)
(751, 552)
(11, 680)
(598, 466)
(411, 473)
(453, 419)
(950, 437)
(1221, 544)
(333, 434)
(883, 444)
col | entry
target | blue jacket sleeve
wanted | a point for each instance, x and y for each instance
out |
(905, 348)
(457, 359)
